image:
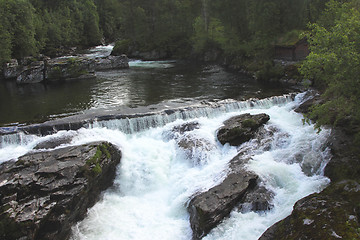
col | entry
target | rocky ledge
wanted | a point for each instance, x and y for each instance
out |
(240, 189)
(43, 194)
(31, 70)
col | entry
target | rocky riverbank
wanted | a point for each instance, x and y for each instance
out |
(35, 70)
(333, 213)
(43, 194)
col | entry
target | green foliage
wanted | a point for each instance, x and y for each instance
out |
(94, 162)
(333, 65)
(5, 43)
(121, 47)
(17, 30)
(242, 30)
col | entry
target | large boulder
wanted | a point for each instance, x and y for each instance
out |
(12, 69)
(208, 208)
(34, 73)
(111, 62)
(240, 129)
(43, 194)
(331, 214)
(69, 68)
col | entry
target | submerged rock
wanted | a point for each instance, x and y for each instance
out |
(240, 129)
(186, 127)
(53, 142)
(44, 193)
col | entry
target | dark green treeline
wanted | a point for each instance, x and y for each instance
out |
(181, 27)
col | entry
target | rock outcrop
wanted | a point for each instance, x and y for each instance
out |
(240, 129)
(43, 194)
(12, 69)
(111, 62)
(34, 73)
(69, 68)
(331, 214)
(65, 68)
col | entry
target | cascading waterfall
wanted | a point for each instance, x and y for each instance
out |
(157, 177)
(131, 124)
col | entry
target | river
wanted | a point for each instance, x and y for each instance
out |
(156, 178)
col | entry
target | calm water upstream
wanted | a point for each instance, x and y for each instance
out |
(143, 84)
(156, 177)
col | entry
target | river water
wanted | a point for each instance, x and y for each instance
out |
(156, 177)
(143, 84)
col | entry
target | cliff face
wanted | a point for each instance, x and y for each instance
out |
(43, 194)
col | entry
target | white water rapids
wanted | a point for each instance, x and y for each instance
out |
(156, 178)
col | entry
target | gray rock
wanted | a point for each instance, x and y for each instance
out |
(69, 68)
(312, 98)
(53, 143)
(240, 129)
(258, 200)
(186, 127)
(34, 73)
(111, 62)
(196, 149)
(208, 208)
(44, 193)
(332, 214)
(12, 69)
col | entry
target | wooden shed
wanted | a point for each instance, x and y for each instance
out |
(296, 52)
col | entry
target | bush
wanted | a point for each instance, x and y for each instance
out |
(121, 47)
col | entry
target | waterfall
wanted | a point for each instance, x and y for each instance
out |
(157, 176)
(139, 122)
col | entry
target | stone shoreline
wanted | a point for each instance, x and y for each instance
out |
(31, 70)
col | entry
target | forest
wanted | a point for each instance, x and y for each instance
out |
(181, 27)
(243, 31)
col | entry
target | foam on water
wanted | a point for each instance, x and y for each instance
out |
(156, 177)
(151, 64)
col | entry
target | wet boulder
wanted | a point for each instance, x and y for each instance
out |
(111, 62)
(311, 98)
(43, 194)
(53, 142)
(258, 200)
(240, 129)
(186, 127)
(208, 208)
(332, 214)
(196, 149)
